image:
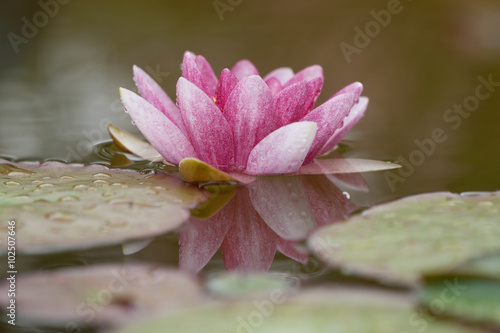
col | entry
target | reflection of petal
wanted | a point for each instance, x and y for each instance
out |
(327, 201)
(293, 250)
(249, 244)
(282, 203)
(200, 239)
(353, 181)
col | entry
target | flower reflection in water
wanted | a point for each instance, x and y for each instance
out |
(272, 213)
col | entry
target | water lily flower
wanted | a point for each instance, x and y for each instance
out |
(242, 122)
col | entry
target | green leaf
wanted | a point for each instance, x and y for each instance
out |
(60, 207)
(467, 299)
(339, 310)
(403, 240)
(99, 295)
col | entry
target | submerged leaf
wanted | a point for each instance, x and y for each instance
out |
(423, 234)
(60, 207)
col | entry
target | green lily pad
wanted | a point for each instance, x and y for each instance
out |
(99, 295)
(59, 207)
(470, 292)
(340, 310)
(467, 299)
(403, 240)
(255, 285)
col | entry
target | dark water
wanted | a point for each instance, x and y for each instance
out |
(59, 83)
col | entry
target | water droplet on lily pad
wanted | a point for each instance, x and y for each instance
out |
(76, 201)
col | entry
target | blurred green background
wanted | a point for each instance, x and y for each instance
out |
(59, 82)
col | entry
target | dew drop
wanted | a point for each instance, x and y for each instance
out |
(60, 216)
(68, 198)
(101, 182)
(108, 194)
(133, 122)
(46, 178)
(101, 175)
(346, 194)
(117, 184)
(21, 197)
(37, 181)
(45, 185)
(11, 183)
(80, 187)
(67, 178)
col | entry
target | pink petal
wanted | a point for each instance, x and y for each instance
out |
(328, 203)
(356, 88)
(283, 151)
(244, 68)
(293, 250)
(226, 85)
(250, 111)
(191, 72)
(307, 74)
(313, 90)
(249, 244)
(154, 94)
(283, 74)
(163, 134)
(329, 117)
(200, 239)
(352, 181)
(356, 113)
(208, 74)
(290, 103)
(344, 165)
(282, 204)
(208, 130)
(274, 85)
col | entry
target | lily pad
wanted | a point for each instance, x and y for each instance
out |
(470, 292)
(100, 295)
(403, 240)
(59, 207)
(467, 299)
(340, 310)
(254, 285)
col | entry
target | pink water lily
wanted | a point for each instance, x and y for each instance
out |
(241, 122)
